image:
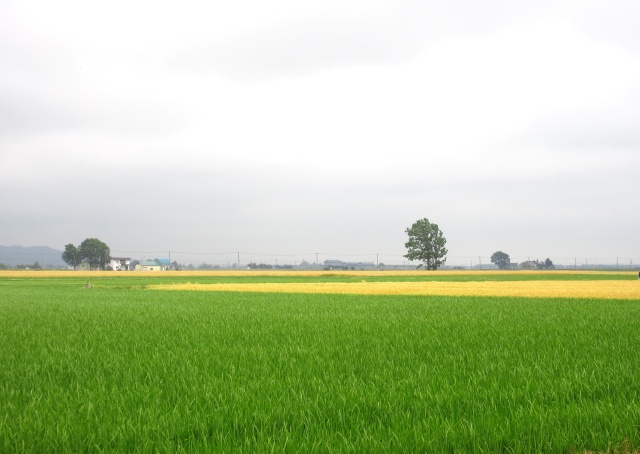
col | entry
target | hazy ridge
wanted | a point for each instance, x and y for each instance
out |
(27, 255)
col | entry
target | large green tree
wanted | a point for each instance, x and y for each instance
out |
(71, 256)
(426, 244)
(92, 251)
(501, 260)
(95, 252)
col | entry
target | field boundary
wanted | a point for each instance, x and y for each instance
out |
(214, 273)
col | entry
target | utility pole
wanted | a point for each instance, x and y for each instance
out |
(377, 262)
(316, 258)
(480, 261)
(238, 260)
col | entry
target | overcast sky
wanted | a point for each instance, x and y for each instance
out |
(292, 127)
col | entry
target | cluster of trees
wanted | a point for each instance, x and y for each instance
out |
(503, 262)
(259, 266)
(92, 251)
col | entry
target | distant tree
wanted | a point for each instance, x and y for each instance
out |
(426, 244)
(71, 256)
(35, 266)
(501, 260)
(3, 266)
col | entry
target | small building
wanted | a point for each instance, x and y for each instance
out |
(529, 265)
(340, 265)
(335, 265)
(120, 263)
(84, 266)
(166, 264)
(154, 265)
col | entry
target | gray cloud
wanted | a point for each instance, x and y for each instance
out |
(390, 36)
(290, 128)
(610, 129)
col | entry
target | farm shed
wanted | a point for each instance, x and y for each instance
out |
(154, 265)
(529, 265)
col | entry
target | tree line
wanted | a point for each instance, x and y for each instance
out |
(426, 244)
(34, 266)
(503, 262)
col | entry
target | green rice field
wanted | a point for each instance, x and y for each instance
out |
(121, 368)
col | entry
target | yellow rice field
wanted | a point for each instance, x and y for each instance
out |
(539, 289)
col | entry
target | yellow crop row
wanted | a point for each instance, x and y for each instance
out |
(539, 289)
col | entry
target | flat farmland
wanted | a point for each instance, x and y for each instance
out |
(318, 362)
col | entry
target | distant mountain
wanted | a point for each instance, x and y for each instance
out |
(20, 255)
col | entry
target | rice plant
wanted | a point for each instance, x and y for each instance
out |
(128, 369)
